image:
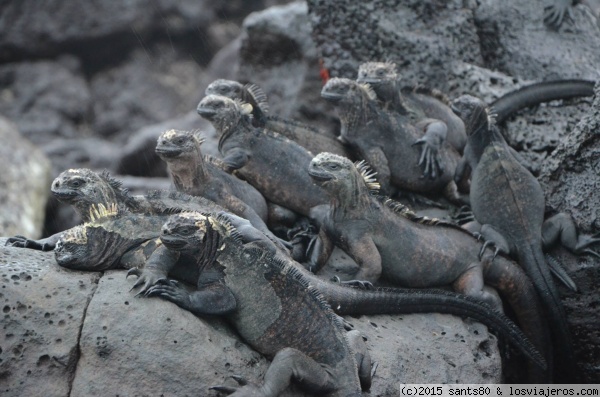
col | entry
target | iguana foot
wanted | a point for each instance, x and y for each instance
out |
(555, 13)
(172, 291)
(360, 284)
(430, 159)
(583, 243)
(24, 242)
(489, 243)
(146, 279)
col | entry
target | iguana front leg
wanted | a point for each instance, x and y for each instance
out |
(235, 159)
(492, 237)
(366, 255)
(157, 269)
(44, 244)
(287, 365)
(555, 13)
(214, 299)
(432, 141)
(377, 159)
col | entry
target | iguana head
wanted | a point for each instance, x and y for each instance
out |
(375, 73)
(473, 112)
(188, 231)
(228, 88)
(173, 145)
(82, 188)
(340, 176)
(223, 112)
(339, 89)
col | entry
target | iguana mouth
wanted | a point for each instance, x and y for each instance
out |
(205, 112)
(64, 194)
(371, 81)
(168, 152)
(332, 97)
(173, 242)
(319, 176)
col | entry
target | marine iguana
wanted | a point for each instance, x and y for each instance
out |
(270, 162)
(205, 176)
(83, 188)
(509, 202)
(267, 298)
(113, 239)
(425, 107)
(386, 239)
(309, 137)
(385, 140)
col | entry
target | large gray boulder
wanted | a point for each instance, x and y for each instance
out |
(25, 178)
(69, 333)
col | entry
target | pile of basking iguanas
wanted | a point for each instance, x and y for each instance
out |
(249, 230)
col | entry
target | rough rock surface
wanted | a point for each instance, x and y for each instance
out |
(25, 179)
(68, 333)
(43, 307)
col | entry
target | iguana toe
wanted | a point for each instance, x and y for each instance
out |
(224, 389)
(484, 246)
(134, 271)
(240, 380)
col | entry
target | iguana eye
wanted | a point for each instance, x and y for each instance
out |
(179, 141)
(186, 231)
(380, 72)
(333, 166)
(77, 183)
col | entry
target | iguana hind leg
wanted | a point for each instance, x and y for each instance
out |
(287, 365)
(471, 284)
(363, 358)
(561, 227)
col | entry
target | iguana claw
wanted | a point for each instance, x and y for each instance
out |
(24, 242)
(484, 246)
(360, 284)
(246, 388)
(430, 159)
(555, 13)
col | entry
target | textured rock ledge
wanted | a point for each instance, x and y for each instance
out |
(69, 333)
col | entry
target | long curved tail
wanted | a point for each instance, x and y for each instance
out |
(349, 300)
(535, 94)
(516, 288)
(531, 258)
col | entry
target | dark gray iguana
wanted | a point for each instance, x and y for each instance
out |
(385, 140)
(311, 138)
(386, 239)
(270, 162)
(429, 110)
(113, 239)
(276, 308)
(509, 202)
(205, 176)
(83, 188)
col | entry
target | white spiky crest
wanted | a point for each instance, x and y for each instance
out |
(368, 90)
(245, 108)
(259, 96)
(368, 176)
(99, 211)
(198, 136)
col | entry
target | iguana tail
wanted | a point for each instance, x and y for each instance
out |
(516, 288)
(532, 259)
(348, 300)
(535, 94)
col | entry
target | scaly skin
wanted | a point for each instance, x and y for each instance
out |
(385, 140)
(311, 138)
(197, 175)
(509, 202)
(419, 103)
(270, 298)
(82, 188)
(128, 240)
(270, 162)
(386, 239)
(537, 93)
